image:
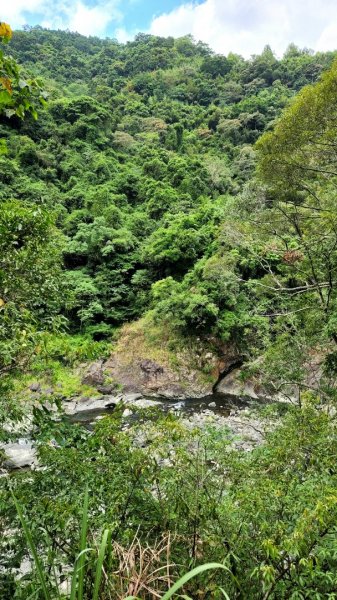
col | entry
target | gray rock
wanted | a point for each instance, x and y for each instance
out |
(130, 398)
(85, 403)
(25, 567)
(127, 413)
(150, 367)
(135, 399)
(146, 403)
(149, 378)
(19, 454)
(232, 385)
(94, 375)
(106, 390)
(35, 387)
(83, 399)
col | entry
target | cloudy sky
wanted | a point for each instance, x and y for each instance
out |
(242, 26)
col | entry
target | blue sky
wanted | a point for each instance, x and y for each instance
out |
(242, 26)
(139, 14)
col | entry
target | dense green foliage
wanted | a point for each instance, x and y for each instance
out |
(29, 243)
(138, 154)
(270, 516)
(136, 191)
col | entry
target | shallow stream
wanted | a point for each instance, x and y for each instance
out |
(220, 409)
(219, 404)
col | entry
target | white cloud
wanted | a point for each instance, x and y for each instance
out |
(246, 26)
(328, 38)
(92, 20)
(13, 11)
(123, 36)
(64, 14)
(242, 26)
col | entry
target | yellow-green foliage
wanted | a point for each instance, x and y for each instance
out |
(148, 339)
(300, 148)
(144, 338)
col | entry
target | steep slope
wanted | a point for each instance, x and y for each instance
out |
(141, 154)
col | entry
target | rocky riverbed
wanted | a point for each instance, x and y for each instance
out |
(238, 416)
(234, 404)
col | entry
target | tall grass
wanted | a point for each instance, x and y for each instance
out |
(80, 561)
(185, 578)
(77, 590)
(33, 550)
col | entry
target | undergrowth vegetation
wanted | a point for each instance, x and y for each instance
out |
(173, 498)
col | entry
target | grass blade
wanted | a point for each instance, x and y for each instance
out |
(83, 544)
(56, 582)
(33, 550)
(109, 549)
(77, 582)
(99, 566)
(76, 572)
(185, 578)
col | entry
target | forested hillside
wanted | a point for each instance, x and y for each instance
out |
(139, 153)
(159, 198)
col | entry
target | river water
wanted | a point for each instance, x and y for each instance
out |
(226, 410)
(219, 404)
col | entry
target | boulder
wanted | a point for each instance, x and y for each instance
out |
(35, 387)
(106, 390)
(85, 403)
(151, 368)
(127, 413)
(19, 454)
(252, 388)
(145, 403)
(94, 376)
(96, 403)
(130, 398)
(145, 361)
(232, 384)
(148, 377)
